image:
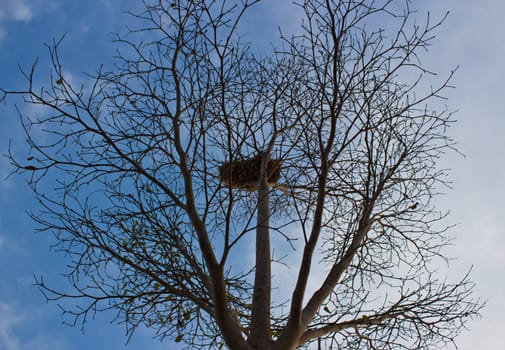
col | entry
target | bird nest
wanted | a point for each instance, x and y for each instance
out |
(245, 173)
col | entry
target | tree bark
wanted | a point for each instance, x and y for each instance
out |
(261, 337)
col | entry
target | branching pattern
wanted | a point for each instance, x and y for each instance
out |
(152, 232)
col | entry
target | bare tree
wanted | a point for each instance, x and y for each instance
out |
(192, 149)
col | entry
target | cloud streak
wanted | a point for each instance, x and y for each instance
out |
(22, 11)
(14, 10)
(10, 339)
(8, 320)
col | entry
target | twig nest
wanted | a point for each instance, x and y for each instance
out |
(245, 173)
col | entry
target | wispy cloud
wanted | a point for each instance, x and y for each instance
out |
(14, 10)
(8, 320)
(21, 11)
(11, 320)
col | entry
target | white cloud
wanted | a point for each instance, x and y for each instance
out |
(22, 11)
(11, 320)
(14, 10)
(17, 10)
(8, 320)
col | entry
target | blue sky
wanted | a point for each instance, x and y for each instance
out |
(472, 37)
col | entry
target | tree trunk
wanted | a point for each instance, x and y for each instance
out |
(260, 337)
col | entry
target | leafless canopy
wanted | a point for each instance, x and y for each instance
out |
(156, 231)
